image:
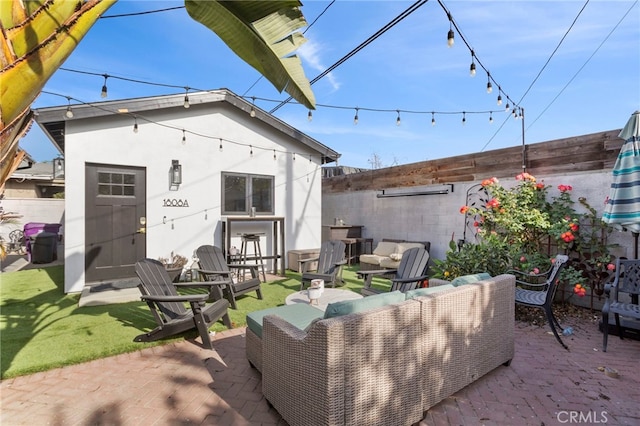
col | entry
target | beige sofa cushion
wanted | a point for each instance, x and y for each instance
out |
(385, 248)
(371, 259)
(387, 263)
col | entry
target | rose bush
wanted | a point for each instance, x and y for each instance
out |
(523, 227)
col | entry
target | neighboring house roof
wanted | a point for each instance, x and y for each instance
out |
(38, 171)
(52, 119)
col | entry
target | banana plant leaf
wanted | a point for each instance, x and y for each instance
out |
(263, 34)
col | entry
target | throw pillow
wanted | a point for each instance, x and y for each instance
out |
(346, 307)
(466, 279)
(395, 256)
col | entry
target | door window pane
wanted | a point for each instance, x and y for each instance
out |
(116, 184)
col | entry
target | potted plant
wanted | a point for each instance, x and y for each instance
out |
(174, 265)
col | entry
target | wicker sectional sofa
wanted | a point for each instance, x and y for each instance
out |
(386, 365)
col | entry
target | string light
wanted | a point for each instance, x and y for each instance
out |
(507, 108)
(103, 93)
(252, 113)
(450, 35)
(490, 118)
(186, 103)
(184, 137)
(135, 124)
(294, 156)
(489, 86)
(253, 98)
(310, 116)
(433, 119)
(398, 121)
(220, 145)
(464, 118)
(472, 67)
(251, 150)
(206, 215)
(274, 155)
(69, 113)
(355, 117)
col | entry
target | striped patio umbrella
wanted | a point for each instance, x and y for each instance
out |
(622, 210)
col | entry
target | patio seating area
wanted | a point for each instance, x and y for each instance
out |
(184, 383)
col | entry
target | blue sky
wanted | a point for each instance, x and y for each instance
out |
(590, 84)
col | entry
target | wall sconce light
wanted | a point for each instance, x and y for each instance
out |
(58, 167)
(175, 174)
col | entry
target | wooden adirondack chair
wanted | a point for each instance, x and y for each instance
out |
(330, 262)
(168, 307)
(214, 267)
(411, 272)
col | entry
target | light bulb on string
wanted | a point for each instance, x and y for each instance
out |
(103, 93)
(184, 137)
(472, 67)
(499, 101)
(206, 216)
(274, 155)
(398, 121)
(69, 112)
(507, 108)
(489, 86)
(490, 118)
(433, 119)
(450, 34)
(220, 145)
(135, 124)
(251, 150)
(355, 117)
(464, 118)
(310, 116)
(294, 156)
(252, 113)
(515, 113)
(186, 103)
(172, 227)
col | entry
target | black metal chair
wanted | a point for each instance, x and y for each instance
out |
(330, 262)
(168, 307)
(538, 291)
(627, 280)
(214, 267)
(411, 272)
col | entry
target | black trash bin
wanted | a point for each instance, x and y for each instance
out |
(44, 247)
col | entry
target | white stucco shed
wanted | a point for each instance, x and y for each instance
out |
(120, 157)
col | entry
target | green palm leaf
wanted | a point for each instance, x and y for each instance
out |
(263, 34)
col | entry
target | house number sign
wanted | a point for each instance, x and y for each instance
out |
(172, 202)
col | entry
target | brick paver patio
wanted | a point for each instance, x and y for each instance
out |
(182, 383)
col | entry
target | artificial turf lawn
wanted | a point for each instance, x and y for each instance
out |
(42, 328)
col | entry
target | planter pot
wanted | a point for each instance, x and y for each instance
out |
(174, 274)
(314, 294)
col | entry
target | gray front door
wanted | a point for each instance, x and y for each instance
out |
(115, 220)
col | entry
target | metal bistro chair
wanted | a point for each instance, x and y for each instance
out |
(627, 280)
(541, 294)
